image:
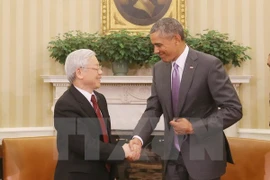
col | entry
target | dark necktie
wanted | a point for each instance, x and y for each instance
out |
(102, 124)
(101, 120)
(175, 96)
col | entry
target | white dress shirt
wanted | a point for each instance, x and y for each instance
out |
(86, 94)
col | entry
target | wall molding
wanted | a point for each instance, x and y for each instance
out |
(25, 132)
(263, 134)
(62, 79)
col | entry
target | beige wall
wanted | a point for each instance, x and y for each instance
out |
(247, 21)
(26, 27)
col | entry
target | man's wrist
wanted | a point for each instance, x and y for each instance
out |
(139, 139)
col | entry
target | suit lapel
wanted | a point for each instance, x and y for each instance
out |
(166, 83)
(89, 110)
(187, 78)
(103, 108)
(85, 105)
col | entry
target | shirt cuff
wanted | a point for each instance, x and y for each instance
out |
(136, 136)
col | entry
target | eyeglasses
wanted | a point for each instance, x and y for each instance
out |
(98, 68)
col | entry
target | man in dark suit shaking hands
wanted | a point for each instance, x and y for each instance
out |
(198, 101)
(83, 126)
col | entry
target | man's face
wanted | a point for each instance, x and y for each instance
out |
(91, 74)
(166, 47)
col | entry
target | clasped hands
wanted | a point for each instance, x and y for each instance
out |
(133, 149)
(181, 126)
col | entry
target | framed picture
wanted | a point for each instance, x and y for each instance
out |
(139, 15)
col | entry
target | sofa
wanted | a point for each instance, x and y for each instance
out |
(251, 160)
(34, 158)
(29, 158)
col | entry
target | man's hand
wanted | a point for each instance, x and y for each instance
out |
(182, 126)
(127, 150)
(135, 146)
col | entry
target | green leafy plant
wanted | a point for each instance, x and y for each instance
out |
(62, 45)
(134, 48)
(120, 46)
(219, 45)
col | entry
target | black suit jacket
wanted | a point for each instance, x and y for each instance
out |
(79, 141)
(208, 100)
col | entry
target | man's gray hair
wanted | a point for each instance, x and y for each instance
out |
(75, 60)
(168, 27)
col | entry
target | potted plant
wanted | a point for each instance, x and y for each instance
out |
(130, 48)
(124, 48)
(61, 45)
(219, 45)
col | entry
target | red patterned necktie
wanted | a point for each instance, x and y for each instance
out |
(102, 124)
(100, 118)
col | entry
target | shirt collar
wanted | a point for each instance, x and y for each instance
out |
(181, 60)
(86, 94)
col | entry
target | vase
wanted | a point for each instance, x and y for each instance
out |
(120, 68)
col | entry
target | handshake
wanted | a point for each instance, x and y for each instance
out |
(132, 149)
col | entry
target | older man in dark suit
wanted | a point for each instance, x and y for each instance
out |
(195, 95)
(83, 124)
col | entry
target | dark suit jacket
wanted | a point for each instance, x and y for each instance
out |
(79, 141)
(208, 100)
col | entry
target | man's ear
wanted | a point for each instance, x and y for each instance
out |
(79, 73)
(177, 38)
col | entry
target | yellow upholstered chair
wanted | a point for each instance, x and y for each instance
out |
(251, 158)
(29, 158)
